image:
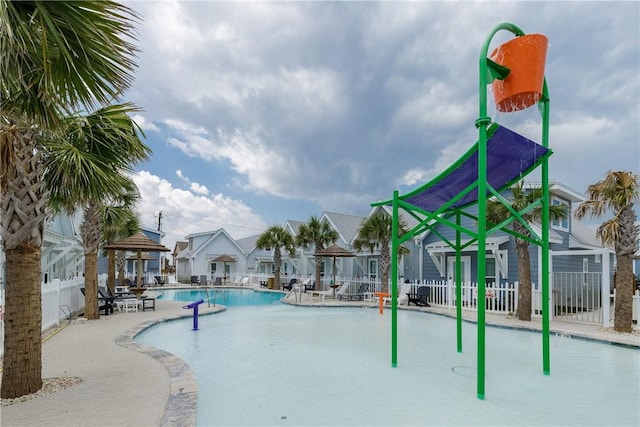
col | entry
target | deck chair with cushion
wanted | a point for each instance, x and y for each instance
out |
(342, 290)
(358, 295)
(194, 281)
(158, 280)
(218, 281)
(420, 298)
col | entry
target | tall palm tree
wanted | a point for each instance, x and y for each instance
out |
(87, 168)
(375, 233)
(498, 212)
(319, 234)
(277, 237)
(56, 58)
(618, 192)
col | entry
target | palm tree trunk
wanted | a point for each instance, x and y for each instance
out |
(318, 285)
(22, 365)
(111, 270)
(524, 280)
(90, 231)
(625, 283)
(385, 264)
(277, 259)
(91, 311)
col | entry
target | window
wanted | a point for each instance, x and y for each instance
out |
(490, 272)
(563, 223)
(213, 269)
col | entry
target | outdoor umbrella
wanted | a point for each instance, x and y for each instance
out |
(334, 251)
(224, 259)
(138, 243)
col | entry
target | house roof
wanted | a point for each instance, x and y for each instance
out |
(248, 244)
(583, 236)
(347, 226)
(294, 226)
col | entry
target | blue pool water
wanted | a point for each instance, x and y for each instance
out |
(281, 365)
(227, 297)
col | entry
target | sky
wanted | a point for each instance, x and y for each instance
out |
(263, 112)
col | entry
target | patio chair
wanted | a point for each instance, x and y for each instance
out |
(289, 285)
(218, 281)
(359, 294)
(309, 285)
(344, 288)
(158, 280)
(194, 281)
(420, 297)
(105, 304)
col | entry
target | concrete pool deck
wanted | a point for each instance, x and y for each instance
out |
(127, 384)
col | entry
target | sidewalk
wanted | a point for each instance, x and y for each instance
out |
(150, 387)
(119, 387)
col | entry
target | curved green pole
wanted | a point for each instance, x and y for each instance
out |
(482, 123)
(394, 282)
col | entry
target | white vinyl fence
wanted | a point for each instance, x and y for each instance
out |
(61, 299)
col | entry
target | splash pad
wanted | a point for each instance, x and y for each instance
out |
(499, 159)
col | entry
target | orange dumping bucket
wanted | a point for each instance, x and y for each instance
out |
(525, 56)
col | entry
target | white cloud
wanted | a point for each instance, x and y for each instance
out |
(144, 124)
(186, 212)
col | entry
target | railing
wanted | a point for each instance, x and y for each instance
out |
(578, 297)
(499, 297)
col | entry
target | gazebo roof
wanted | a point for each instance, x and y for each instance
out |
(138, 242)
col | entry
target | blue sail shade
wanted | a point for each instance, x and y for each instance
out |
(510, 157)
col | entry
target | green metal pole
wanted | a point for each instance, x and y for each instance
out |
(546, 306)
(394, 282)
(482, 122)
(458, 285)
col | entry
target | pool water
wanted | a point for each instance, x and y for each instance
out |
(281, 365)
(226, 297)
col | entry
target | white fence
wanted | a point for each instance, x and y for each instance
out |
(60, 300)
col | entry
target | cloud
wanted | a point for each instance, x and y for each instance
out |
(336, 104)
(188, 211)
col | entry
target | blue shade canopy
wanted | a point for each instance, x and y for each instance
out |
(510, 157)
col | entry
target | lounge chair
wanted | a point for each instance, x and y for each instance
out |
(105, 304)
(244, 281)
(309, 285)
(194, 281)
(158, 280)
(359, 294)
(420, 298)
(290, 285)
(344, 288)
(218, 281)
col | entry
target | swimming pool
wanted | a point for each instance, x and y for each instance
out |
(227, 297)
(300, 366)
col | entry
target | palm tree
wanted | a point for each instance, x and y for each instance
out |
(375, 233)
(56, 58)
(498, 212)
(87, 168)
(277, 237)
(318, 233)
(618, 192)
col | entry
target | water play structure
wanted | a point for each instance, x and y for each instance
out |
(498, 159)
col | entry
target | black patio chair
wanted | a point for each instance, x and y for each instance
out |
(290, 285)
(420, 298)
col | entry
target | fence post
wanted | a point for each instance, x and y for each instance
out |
(606, 290)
